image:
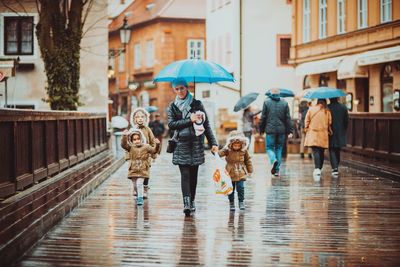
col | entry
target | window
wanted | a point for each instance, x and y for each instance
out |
(341, 17)
(18, 35)
(306, 21)
(322, 18)
(137, 59)
(386, 10)
(121, 62)
(195, 48)
(283, 50)
(149, 53)
(362, 14)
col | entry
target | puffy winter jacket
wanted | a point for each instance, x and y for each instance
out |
(190, 148)
(275, 117)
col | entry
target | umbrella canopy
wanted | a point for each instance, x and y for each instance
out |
(323, 93)
(245, 101)
(282, 92)
(151, 109)
(194, 70)
(119, 122)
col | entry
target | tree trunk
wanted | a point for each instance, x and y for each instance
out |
(59, 33)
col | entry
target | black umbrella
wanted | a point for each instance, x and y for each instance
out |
(245, 101)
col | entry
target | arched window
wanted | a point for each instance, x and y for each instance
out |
(387, 88)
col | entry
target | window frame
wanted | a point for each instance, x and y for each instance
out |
(306, 21)
(383, 5)
(322, 19)
(189, 49)
(121, 62)
(279, 39)
(341, 16)
(362, 14)
(19, 19)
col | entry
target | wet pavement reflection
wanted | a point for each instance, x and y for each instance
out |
(353, 220)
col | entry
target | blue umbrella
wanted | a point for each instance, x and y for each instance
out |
(245, 101)
(151, 109)
(194, 70)
(323, 93)
(282, 93)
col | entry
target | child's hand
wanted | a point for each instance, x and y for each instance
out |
(156, 141)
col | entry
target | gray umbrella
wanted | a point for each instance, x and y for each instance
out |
(245, 101)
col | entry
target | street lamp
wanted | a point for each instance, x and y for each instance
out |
(125, 36)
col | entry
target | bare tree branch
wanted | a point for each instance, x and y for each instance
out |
(21, 5)
(94, 24)
(6, 5)
(89, 7)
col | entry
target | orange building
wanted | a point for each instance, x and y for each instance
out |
(350, 44)
(162, 31)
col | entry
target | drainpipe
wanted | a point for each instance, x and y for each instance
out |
(240, 47)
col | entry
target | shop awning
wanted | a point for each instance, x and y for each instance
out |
(348, 68)
(379, 56)
(319, 66)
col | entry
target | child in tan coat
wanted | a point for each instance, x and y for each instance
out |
(139, 155)
(140, 120)
(238, 165)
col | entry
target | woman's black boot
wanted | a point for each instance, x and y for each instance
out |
(192, 206)
(186, 206)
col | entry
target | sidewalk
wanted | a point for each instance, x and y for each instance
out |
(289, 221)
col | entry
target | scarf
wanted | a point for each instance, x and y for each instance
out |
(184, 104)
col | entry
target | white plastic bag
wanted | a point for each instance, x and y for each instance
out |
(221, 179)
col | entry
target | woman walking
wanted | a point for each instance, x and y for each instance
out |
(317, 126)
(188, 118)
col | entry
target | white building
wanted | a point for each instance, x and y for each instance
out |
(258, 59)
(27, 88)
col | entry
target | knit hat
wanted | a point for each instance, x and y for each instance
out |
(179, 81)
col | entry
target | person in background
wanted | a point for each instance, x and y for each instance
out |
(248, 122)
(303, 109)
(157, 127)
(340, 121)
(318, 128)
(277, 124)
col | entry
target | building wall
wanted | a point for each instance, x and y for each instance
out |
(28, 87)
(354, 41)
(261, 70)
(170, 44)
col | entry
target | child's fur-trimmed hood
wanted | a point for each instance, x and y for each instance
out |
(236, 135)
(146, 114)
(138, 132)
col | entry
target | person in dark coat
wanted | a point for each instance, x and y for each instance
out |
(188, 117)
(340, 121)
(277, 124)
(157, 127)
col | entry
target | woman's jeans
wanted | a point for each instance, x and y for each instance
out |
(239, 189)
(318, 153)
(334, 156)
(189, 180)
(274, 146)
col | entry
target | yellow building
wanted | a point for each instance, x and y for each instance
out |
(350, 44)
